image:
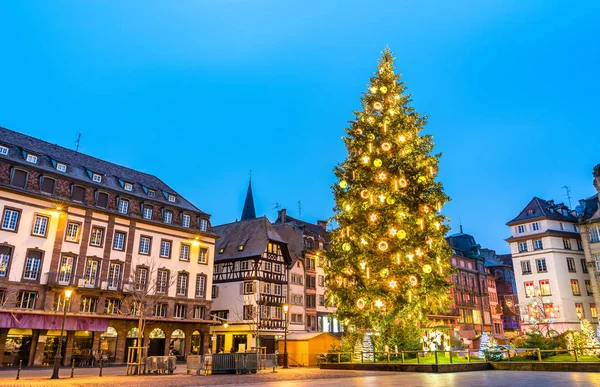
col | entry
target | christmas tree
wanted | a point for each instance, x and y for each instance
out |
(389, 262)
(489, 348)
(589, 339)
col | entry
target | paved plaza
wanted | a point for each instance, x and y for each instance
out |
(303, 377)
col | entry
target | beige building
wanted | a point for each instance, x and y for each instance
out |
(71, 221)
(589, 226)
(553, 283)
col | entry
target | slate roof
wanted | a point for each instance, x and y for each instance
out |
(81, 167)
(464, 245)
(306, 226)
(544, 209)
(254, 234)
(589, 209)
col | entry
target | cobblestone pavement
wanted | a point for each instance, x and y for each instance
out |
(315, 378)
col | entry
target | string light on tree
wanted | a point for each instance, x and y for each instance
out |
(397, 237)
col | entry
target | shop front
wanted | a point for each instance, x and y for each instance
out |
(17, 347)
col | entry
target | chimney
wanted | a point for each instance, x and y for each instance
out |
(323, 224)
(281, 215)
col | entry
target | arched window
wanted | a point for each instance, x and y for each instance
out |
(157, 333)
(177, 344)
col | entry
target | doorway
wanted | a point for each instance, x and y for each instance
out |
(156, 346)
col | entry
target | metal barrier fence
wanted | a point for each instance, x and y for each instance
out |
(458, 356)
(230, 363)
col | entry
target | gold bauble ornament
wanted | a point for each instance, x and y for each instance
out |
(343, 184)
(390, 200)
(403, 183)
(386, 146)
(377, 163)
(346, 246)
(384, 273)
(427, 269)
(360, 303)
(377, 106)
(359, 132)
(413, 280)
(401, 234)
(382, 246)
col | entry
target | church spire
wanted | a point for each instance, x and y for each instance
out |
(248, 211)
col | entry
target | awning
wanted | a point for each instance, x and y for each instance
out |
(37, 321)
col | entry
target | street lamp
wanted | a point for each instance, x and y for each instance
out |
(58, 356)
(286, 307)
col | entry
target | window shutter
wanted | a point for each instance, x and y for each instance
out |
(242, 288)
(19, 178)
(102, 200)
(47, 185)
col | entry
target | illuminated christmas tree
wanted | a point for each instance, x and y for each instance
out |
(389, 262)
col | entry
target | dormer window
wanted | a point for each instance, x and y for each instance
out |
(3, 150)
(240, 247)
(32, 158)
(203, 224)
(530, 212)
(128, 187)
(172, 198)
(97, 178)
(151, 193)
(221, 250)
(61, 167)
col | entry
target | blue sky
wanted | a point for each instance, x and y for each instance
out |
(200, 92)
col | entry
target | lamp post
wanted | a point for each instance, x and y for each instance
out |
(58, 356)
(286, 307)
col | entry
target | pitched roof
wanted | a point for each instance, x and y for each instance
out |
(253, 234)
(292, 234)
(81, 167)
(544, 209)
(589, 209)
(312, 228)
(248, 212)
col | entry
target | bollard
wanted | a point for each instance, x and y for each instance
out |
(436, 356)
(450, 352)
(418, 362)
(468, 355)
(72, 367)
(402, 357)
(339, 358)
(100, 366)
(19, 369)
(539, 354)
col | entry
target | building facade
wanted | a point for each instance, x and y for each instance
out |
(71, 221)
(553, 281)
(506, 289)
(589, 225)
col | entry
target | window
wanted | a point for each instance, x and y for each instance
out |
(526, 267)
(184, 254)
(566, 244)
(91, 272)
(78, 194)
(244, 265)
(277, 289)
(571, 265)
(123, 206)
(199, 312)
(65, 270)
(545, 288)
(147, 212)
(248, 312)
(182, 282)
(102, 200)
(537, 244)
(248, 287)
(168, 216)
(172, 198)
(541, 265)
(165, 249)
(180, 311)
(88, 304)
(597, 260)
(151, 193)
(114, 276)
(5, 255)
(185, 220)
(32, 265)
(97, 237)
(522, 247)
(588, 288)
(579, 310)
(160, 310)
(321, 281)
(145, 243)
(594, 234)
(141, 278)
(128, 187)
(535, 226)
(214, 291)
(268, 266)
(520, 229)
(72, 234)
(277, 268)
(26, 300)
(203, 224)
(200, 286)
(265, 288)
(203, 257)
(162, 282)
(97, 178)
(593, 310)
(311, 282)
(321, 300)
(10, 220)
(311, 301)
(584, 266)
(47, 186)
(240, 247)
(529, 289)
(296, 318)
(119, 242)
(19, 178)
(40, 225)
(579, 245)
(61, 167)
(3, 150)
(112, 306)
(32, 158)
(575, 287)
